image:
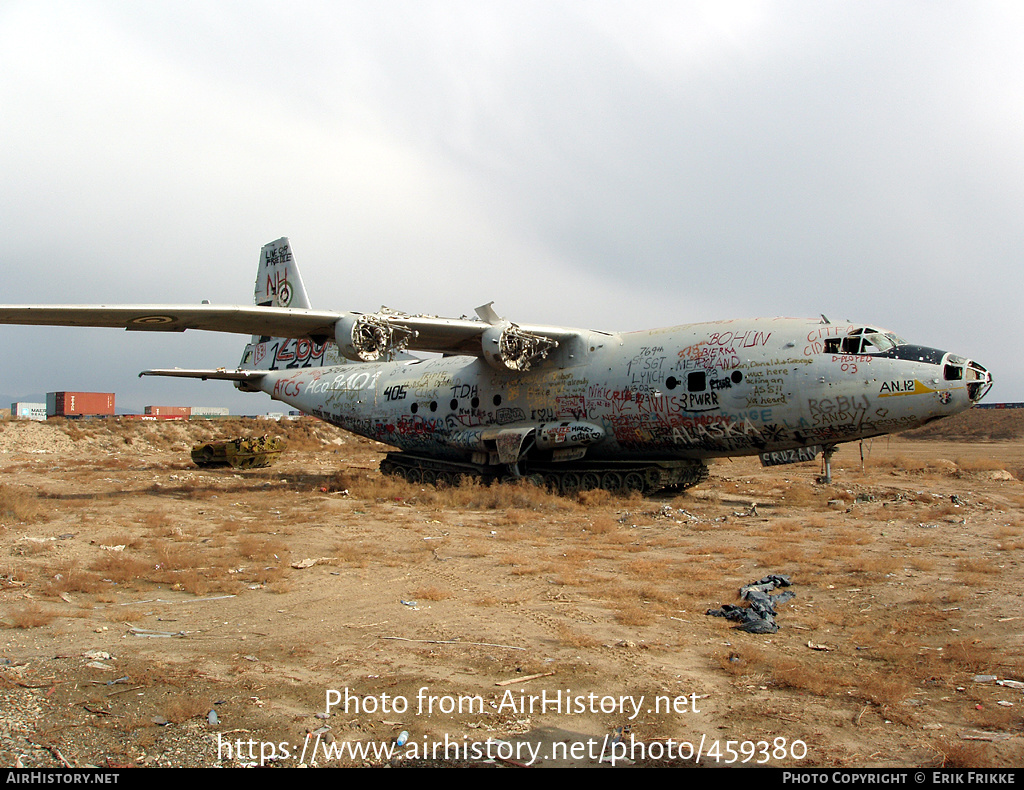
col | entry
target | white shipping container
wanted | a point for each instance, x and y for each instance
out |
(28, 411)
(210, 411)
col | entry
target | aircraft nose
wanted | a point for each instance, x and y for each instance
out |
(979, 381)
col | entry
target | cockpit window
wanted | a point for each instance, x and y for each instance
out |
(864, 340)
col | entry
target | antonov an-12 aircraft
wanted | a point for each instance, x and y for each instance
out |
(574, 408)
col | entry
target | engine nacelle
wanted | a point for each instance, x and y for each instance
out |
(507, 347)
(369, 337)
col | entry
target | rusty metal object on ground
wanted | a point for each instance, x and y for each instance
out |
(241, 453)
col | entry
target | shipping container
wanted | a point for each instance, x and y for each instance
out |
(79, 404)
(210, 411)
(28, 411)
(169, 411)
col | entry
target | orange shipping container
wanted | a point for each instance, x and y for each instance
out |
(169, 411)
(79, 404)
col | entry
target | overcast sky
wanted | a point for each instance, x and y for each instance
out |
(610, 165)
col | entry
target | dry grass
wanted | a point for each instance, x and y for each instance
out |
(803, 495)
(976, 566)
(20, 505)
(572, 637)
(603, 525)
(884, 689)
(67, 577)
(119, 568)
(263, 549)
(468, 494)
(180, 708)
(31, 615)
(125, 614)
(158, 521)
(980, 465)
(956, 754)
(431, 593)
(875, 566)
(633, 615)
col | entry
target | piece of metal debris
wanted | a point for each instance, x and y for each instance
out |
(146, 632)
(981, 735)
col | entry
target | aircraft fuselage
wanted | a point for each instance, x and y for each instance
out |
(687, 392)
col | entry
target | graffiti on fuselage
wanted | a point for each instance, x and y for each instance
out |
(648, 366)
(816, 338)
(766, 381)
(288, 353)
(729, 391)
(843, 409)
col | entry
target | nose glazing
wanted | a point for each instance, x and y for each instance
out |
(979, 381)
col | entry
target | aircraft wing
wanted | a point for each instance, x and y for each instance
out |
(360, 336)
(251, 320)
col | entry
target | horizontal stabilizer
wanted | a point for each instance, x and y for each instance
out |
(219, 374)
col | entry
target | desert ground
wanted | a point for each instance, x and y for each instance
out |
(156, 614)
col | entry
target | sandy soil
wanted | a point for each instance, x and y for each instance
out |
(139, 593)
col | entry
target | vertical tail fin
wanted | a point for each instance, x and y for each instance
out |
(279, 284)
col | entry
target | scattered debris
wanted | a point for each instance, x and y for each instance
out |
(147, 632)
(524, 679)
(981, 735)
(759, 617)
